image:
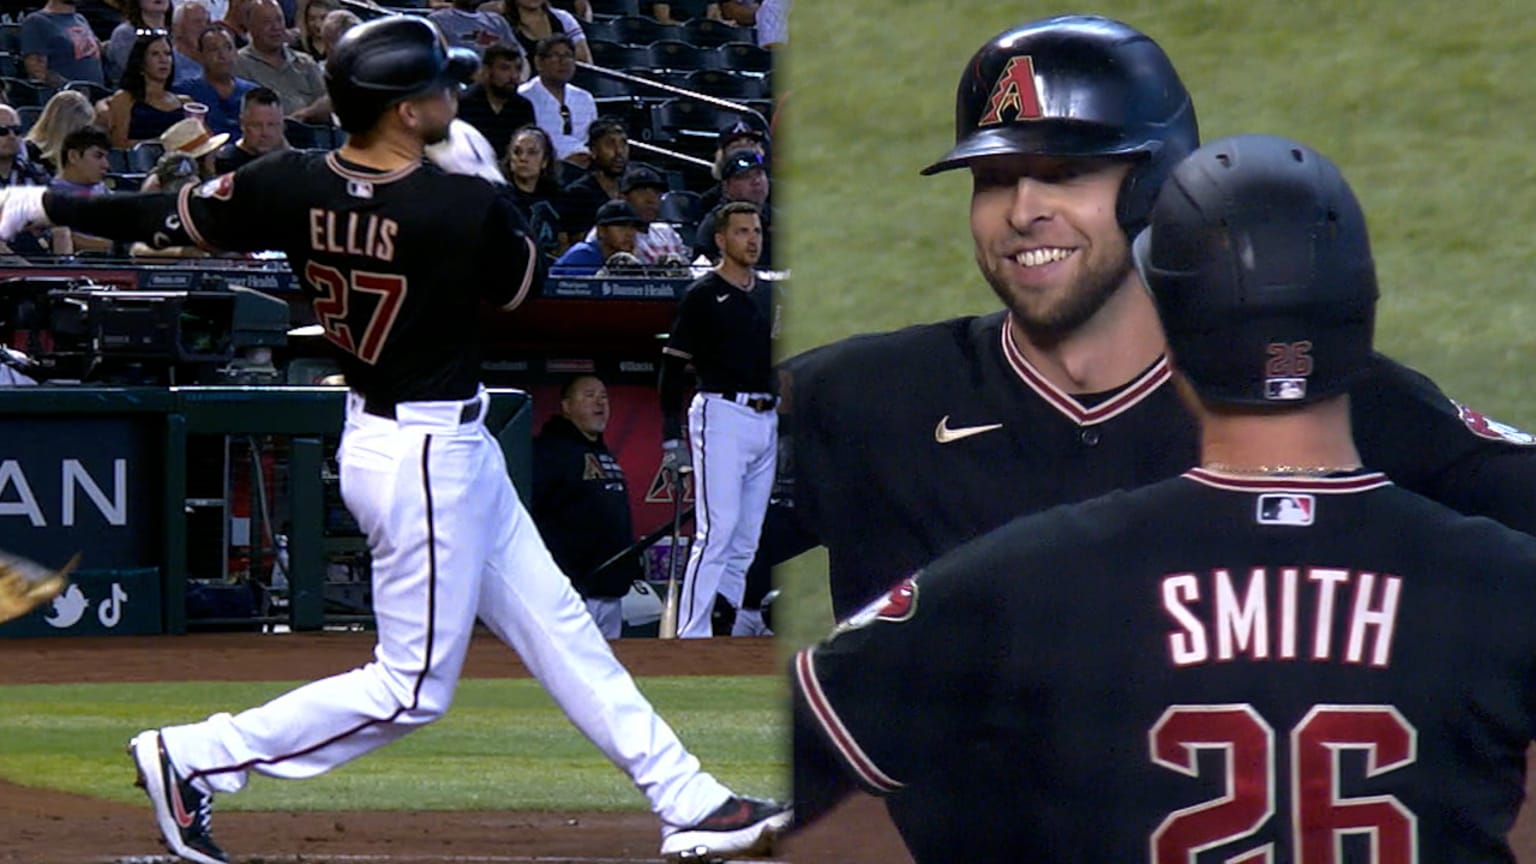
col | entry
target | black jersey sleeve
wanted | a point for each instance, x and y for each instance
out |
(510, 263)
(903, 682)
(147, 216)
(1429, 443)
(689, 324)
(228, 212)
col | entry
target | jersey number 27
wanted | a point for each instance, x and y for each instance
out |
(334, 309)
(1320, 816)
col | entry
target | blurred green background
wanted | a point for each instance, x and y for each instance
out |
(1426, 106)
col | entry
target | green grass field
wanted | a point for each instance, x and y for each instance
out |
(1426, 107)
(503, 745)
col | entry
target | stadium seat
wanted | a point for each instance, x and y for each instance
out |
(681, 10)
(726, 85)
(742, 57)
(709, 32)
(602, 29)
(124, 182)
(10, 38)
(301, 136)
(118, 161)
(19, 92)
(143, 156)
(677, 119)
(614, 8)
(616, 55)
(10, 66)
(29, 115)
(679, 206)
(660, 76)
(679, 55)
(600, 86)
(90, 90)
(643, 30)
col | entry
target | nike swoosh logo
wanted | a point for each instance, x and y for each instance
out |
(943, 434)
(722, 298)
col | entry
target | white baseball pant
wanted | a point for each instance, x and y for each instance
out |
(735, 448)
(450, 539)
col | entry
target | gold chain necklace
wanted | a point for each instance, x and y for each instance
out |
(1279, 470)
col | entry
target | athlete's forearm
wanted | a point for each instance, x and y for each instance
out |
(671, 384)
(147, 216)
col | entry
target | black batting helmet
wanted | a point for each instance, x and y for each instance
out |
(1258, 259)
(1076, 85)
(388, 60)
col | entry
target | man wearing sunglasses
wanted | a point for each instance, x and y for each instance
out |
(743, 177)
(57, 44)
(17, 170)
(561, 108)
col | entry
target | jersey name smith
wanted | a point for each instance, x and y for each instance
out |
(1321, 614)
(365, 234)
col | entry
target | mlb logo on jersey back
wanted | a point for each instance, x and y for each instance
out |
(1286, 509)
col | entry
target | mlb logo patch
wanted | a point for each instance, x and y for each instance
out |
(359, 188)
(1286, 509)
(1285, 389)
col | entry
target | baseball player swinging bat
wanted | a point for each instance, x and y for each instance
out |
(669, 610)
(26, 585)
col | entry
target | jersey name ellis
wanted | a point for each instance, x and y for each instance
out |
(366, 235)
(1217, 621)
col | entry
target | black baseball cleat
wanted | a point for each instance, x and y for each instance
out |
(740, 826)
(182, 812)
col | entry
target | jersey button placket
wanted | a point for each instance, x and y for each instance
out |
(1089, 436)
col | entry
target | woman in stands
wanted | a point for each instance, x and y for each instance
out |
(144, 105)
(64, 113)
(311, 15)
(530, 166)
(532, 20)
(138, 16)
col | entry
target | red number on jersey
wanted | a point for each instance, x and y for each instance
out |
(1320, 815)
(333, 307)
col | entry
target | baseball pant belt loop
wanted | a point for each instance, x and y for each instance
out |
(453, 412)
(759, 402)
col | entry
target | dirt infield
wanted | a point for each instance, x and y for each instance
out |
(43, 827)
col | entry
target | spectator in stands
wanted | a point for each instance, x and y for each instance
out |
(530, 167)
(608, 143)
(144, 105)
(192, 139)
(65, 112)
(83, 170)
(662, 11)
(739, 135)
(659, 245)
(58, 45)
(773, 24)
(742, 13)
(493, 104)
(743, 177)
(534, 20)
(261, 131)
(188, 21)
(467, 26)
(581, 502)
(311, 16)
(238, 17)
(18, 170)
(562, 108)
(138, 15)
(335, 24)
(218, 87)
(269, 61)
(617, 225)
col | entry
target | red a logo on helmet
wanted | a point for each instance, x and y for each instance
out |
(1015, 89)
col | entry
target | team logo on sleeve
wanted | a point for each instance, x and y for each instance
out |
(1487, 427)
(1286, 509)
(899, 604)
(220, 188)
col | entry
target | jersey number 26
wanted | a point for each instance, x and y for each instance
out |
(1320, 816)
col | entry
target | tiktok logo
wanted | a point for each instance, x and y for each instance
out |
(111, 609)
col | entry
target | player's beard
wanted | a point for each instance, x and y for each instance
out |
(435, 134)
(1082, 300)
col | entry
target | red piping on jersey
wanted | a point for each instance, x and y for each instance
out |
(528, 271)
(869, 773)
(186, 219)
(334, 164)
(1118, 404)
(1315, 485)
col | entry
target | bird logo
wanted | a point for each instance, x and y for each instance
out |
(67, 609)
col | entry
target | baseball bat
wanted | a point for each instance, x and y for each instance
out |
(669, 609)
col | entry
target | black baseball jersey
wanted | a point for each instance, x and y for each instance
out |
(907, 444)
(397, 263)
(726, 333)
(1192, 672)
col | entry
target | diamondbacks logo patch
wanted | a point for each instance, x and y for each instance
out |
(1286, 509)
(899, 604)
(1015, 91)
(220, 188)
(1486, 427)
